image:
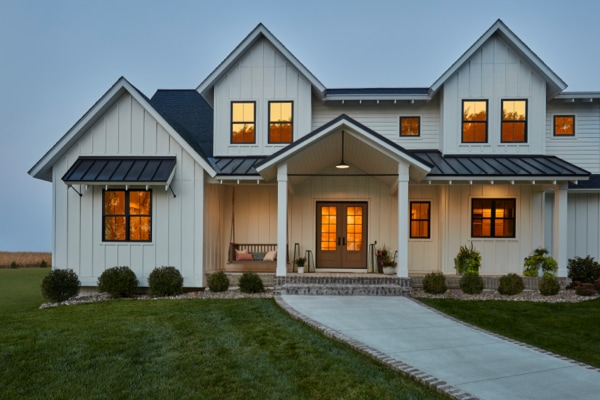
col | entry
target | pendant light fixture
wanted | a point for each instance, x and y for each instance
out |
(342, 164)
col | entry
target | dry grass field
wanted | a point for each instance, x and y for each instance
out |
(24, 258)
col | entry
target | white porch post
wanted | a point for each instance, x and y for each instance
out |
(402, 260)
(282, 211)
(560, 228)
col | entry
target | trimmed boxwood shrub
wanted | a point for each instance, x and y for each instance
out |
(60, 285)
(118, 282)
(434, 283)
(165, 281)
(511, 284)
(250, 282)
(548, 285)
(218, 282)
(584, 270)
(471, 283)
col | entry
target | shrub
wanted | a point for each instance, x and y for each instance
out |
(471, 283)
(511, 284)
(250, 282)
(218, 282)
(43, 264)
(118, 282)
(539, 261)
(585, 289)
(584, 270)
(467, 260)
(60, 285)
(165, 281)
(548, 285)
(434, 283)
(14, 265)
(597, 285)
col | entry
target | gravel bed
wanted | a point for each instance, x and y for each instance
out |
(564, 296)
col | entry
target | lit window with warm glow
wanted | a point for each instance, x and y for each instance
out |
(493, 218)
(474, 121)
(127, 216)
(328, 228)
(410, 126)
(280, 121)
(420, 219)
(514, 121)
(564, 125)
(354, 227)
(243, 122)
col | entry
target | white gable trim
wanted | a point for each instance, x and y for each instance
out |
(556, 83)
(259, 32)
(43, 168)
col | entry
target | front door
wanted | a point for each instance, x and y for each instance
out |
(341, 235)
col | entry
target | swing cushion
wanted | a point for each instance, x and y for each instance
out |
(243, 257)
(270, 256)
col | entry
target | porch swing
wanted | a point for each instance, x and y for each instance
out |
(251, 257)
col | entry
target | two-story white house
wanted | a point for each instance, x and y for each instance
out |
(494, 153)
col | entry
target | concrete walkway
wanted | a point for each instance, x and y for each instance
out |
(461, 360)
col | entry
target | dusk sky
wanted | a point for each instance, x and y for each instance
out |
(59, 57)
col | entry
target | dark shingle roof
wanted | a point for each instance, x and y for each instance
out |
(592, 183)
(190, 115)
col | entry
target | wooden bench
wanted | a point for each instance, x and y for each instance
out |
(257, 264)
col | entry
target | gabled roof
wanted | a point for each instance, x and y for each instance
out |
(260, 32)
(43, 168)
(555, 83)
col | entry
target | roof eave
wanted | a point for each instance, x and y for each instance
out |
(376, 97)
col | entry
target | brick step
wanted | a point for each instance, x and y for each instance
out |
(343, 290)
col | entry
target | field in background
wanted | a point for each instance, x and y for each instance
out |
(24, 258)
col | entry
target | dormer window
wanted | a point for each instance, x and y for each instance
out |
(281, 121)
(514, 121)
(243, 122)
(474, 121)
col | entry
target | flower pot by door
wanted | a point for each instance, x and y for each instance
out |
(389, 270)
(301, 269)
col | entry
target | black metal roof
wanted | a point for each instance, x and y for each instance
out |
(101, 170)
(534, 166)
(592, 183)
(236, 166)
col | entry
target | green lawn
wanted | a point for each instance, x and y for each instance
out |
(568, 329)
(176, 349)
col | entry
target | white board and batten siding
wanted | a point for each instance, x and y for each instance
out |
(261, 75)
(499, 256)
(384, 118)
(494, 73)
(127, 129)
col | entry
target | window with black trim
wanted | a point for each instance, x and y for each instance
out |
(410, 126)
(127, 216)
(281, 121)
(243, 122)
(514, 121)
(420, 219)
(564, 125)
(493, 218)
(474, 121)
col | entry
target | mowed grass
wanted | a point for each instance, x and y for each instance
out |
(20, 289)
(178, 349)
(568, 329)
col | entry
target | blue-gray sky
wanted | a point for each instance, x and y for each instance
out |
(58, 57)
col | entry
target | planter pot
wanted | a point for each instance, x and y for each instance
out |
(301, 269)
(389, 270)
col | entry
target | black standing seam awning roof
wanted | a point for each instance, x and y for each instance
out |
(123, 170)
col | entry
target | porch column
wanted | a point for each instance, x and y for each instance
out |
(282, 205)
(560, 228)
(402, 260)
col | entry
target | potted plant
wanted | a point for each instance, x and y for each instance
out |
(539, 263)
(385, 263)
(467, 260)
(300, 261)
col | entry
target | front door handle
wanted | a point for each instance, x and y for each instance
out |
(344, 241)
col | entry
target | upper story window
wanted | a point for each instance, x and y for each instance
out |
(474, 121)
(127, 216)
(410, 126)
(493, 218)
(514, 121)
(564, 125)
(420, 219)
(243, 122)
(281, 121)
